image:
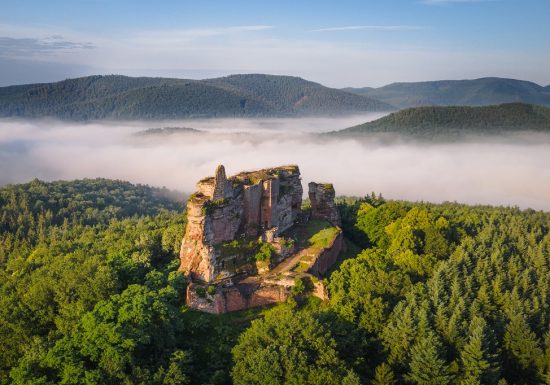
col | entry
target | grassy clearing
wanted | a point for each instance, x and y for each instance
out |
(324, 238)
(313, 237)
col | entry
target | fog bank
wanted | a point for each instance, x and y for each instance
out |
(488, 173)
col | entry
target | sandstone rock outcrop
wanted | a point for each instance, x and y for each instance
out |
(321, 196)
(249, 204)
(245, 242)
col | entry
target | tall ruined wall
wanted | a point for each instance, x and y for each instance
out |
(238, 297)
(245, 205)
(328, 256)
(322, 196)
(252, 207)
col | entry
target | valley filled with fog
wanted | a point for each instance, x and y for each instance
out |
(507, 172)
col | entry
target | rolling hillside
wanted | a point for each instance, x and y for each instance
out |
(478, 92)
(452, 122)
(121, 97)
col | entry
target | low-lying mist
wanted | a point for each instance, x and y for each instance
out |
(485, 172)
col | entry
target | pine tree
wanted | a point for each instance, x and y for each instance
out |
(426, 366)
(477, 363)
(523, 350)
(383, 375)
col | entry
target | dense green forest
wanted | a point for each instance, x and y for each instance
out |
(476, 92)
(122, 97)
(444, 123)
(437, 294)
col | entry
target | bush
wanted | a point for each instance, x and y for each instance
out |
(211, 290)
(298, 287)
(201, 292)
(265, 252)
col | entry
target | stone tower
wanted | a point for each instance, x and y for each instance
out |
(220, 184)
(321, 196)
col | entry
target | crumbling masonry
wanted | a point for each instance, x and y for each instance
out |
(258, 206)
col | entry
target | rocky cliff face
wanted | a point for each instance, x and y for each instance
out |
(321, 196)
(250, 204)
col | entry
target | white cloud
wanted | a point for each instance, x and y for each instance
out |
(490, 173)
(25, 47)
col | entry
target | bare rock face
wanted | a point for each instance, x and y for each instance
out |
(230, 221)
(223, 209)
(322, 196)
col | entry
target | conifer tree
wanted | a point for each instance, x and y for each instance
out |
(426, 366)
(383, 375)
(523, 350)
(477, 362)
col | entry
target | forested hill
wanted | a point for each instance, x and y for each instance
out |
(453, 122)
(121, 97)
(442, 294)
(26, 207)
(477, 92)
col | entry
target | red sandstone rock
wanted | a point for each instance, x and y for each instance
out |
(224, 209)
(321, 196)
(251, 204)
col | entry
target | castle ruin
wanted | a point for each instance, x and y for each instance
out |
(238, 232)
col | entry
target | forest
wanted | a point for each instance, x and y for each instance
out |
(123, 97)
(471, 92)
(456, 122)
(431, 294)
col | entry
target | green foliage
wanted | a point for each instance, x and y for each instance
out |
(201, 291)
(373, 221)
(299, 286)
(245, 251)
(476, 92)
(265, 252)
(449, 123)
(426, 366)
(211, 290)
(440, 294)
(323, 238)
(94, 296)
(288, 347)
(121, 97)
(468, 284)
(477, 361)
(523, 348)
(28, 211)
(383, 375)
(348, 208)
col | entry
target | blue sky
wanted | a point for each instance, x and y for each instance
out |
(338, 43)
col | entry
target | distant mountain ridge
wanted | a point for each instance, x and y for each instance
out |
(453, 122)
(477, 92)
(122, 97)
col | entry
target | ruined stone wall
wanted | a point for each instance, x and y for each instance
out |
(289, 201)
(206, 187)
(327, 257)
(322, 196)
(224, 209)
(270, 196)
(242, 297)
(220, 184)
(196, 252)
(264, 291)
(238, 297)
(251, 210)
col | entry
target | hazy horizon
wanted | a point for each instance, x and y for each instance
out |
(231, 74)
(339, 44)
